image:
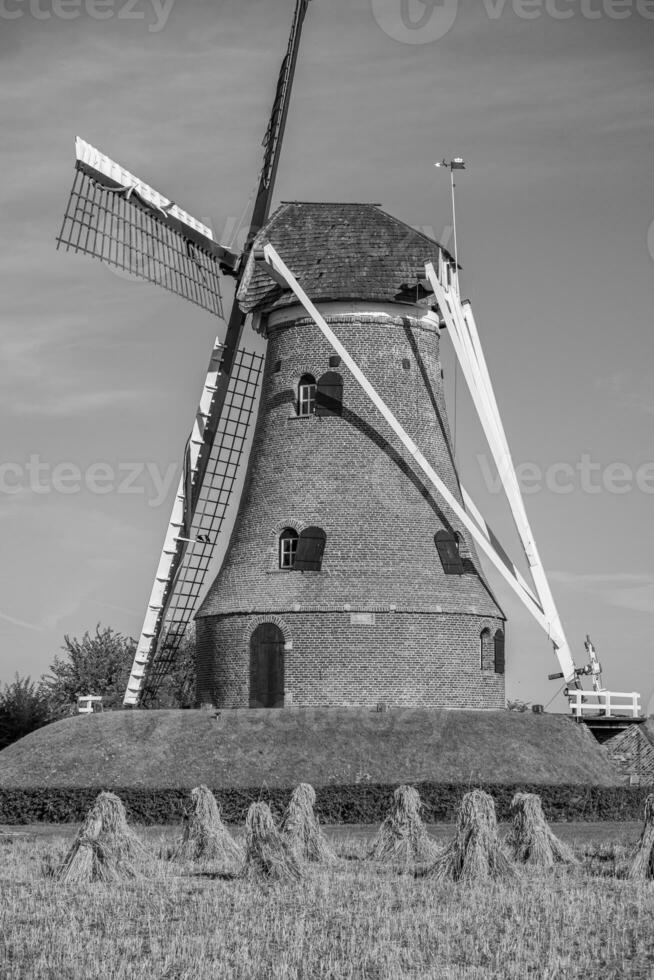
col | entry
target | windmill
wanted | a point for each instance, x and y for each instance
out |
(119, 219)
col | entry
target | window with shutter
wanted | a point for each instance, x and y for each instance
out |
(500, 663)
(310, 550)
(329, 394)
(306, 395)
(288, 541)
(447, 544)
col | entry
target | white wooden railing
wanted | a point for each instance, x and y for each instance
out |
(605, 704)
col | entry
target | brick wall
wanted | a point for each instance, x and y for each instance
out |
(404, 659)
(352, 477)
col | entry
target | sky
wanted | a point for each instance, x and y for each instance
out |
(550, 104)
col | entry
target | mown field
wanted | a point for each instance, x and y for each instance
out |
(356, 920)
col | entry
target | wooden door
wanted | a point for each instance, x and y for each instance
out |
(267, 667)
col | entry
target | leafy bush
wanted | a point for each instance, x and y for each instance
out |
(24, 707)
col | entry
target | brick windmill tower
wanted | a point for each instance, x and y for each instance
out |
(346, 582)
(351, 576)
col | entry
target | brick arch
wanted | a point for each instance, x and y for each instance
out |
(259, 621)
(293, 522)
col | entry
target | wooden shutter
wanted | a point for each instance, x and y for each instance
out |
(329, 394)
(310, 549)
(447, 544)
(500, 661)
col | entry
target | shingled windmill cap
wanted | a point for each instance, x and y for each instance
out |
(339, 251)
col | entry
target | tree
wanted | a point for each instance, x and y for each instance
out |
(99, 664)
(102, 664)
(24, 707)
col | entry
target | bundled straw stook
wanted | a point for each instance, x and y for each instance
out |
(301, 829)
(402, 838)
(204, 836)
(475, 852)
(267, 853)
(530, 840)
(642, 861)
(105, 849)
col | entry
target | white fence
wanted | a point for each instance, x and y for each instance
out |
(604, 704)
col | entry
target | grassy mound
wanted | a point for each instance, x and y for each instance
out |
(324, 747)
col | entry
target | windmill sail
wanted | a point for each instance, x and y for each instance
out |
(191, 539)
(117, 218)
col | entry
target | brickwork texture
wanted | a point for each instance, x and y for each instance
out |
(418, 642)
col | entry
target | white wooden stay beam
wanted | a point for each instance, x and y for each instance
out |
(280, 270)
(467, 345)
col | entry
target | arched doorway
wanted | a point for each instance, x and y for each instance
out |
(267, 667)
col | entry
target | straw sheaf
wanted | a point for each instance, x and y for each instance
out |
(301, 829)
(267, 854)
(475, 853)
(204, 836)
(530, 840)
(402, 838)
(105, 849)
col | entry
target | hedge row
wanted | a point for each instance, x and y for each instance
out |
(349, 804)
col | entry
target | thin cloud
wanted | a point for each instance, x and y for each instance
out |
(69, 404)
(21, 623)
(624, 590)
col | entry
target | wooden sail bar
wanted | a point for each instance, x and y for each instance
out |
(122, 221)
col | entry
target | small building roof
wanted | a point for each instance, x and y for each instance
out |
(339, 252)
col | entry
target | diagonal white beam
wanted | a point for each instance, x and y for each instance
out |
(277, 265)
(467, 345)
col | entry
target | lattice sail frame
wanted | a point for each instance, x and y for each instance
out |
(117, 218)
(190, 541)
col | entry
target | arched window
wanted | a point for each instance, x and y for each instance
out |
(310, 550)
(329, 394)
(500, 661)
(447, 543)
(486, 650)
(306, 395)
(288, 540)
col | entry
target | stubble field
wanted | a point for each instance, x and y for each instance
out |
(357, 919)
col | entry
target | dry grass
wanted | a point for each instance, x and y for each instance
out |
(352, 920)
(642, 863)
(268, 855)
(475, 853)
(105, 849)
(204, 836)
(530, 840)
(301, 829)
(402, 839)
